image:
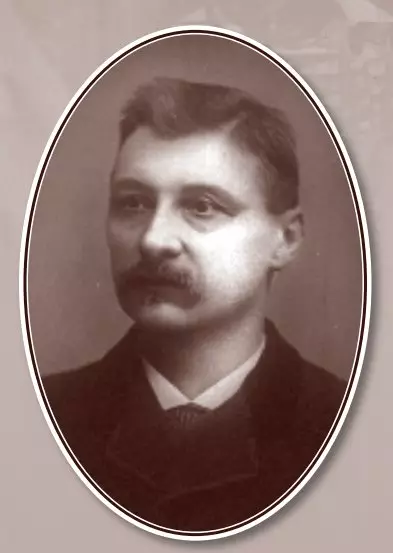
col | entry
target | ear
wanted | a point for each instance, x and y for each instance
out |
(290, 237)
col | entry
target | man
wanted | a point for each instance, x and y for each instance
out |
(202, 416)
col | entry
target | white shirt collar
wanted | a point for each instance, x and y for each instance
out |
(170, 396)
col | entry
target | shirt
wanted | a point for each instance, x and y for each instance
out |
(169, 396)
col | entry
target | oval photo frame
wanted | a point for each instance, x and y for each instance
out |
(29, 300)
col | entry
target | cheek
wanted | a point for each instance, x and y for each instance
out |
(122, 246)
(240, 257)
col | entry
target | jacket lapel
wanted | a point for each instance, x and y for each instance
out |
(273, 389)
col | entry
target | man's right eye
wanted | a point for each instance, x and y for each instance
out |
(133, 204)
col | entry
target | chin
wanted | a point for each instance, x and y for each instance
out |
(160, 317)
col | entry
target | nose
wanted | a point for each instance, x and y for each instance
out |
(161, 238)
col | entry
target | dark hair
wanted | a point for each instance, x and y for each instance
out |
(174, 108)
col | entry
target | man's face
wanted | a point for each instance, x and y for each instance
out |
(191, 241)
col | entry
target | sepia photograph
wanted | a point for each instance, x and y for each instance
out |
(196, 283)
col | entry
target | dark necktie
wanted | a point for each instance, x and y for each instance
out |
(186, 416)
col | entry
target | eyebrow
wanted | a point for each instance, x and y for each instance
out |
(214, 190)
(120, 184)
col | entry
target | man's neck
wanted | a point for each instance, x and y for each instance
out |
(196, 360)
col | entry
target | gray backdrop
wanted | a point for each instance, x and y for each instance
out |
(344, 51)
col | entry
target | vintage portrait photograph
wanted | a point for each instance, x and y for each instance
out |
(196, 283)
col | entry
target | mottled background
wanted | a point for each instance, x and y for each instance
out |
(344, 50)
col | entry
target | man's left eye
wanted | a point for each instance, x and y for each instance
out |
(203, 208)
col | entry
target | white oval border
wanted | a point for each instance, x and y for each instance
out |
(366, 265)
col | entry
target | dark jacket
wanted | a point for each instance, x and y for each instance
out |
(245, 455)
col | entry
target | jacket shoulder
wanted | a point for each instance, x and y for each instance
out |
(67, 386)
(301, 398)
(320, 392)
(89, 397)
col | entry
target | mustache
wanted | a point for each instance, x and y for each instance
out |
(162, 274)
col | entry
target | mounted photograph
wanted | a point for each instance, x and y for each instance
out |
(195, 283)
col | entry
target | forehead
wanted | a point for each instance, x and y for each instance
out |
(208, 158)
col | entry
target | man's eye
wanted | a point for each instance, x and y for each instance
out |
(203, 208)
(134, 204)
